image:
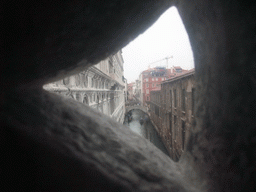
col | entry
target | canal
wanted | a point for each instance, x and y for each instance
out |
(145, 130)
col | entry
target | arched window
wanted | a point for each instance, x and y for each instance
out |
(77, 78)
(98, 99)
(96, 83)
(92, 83)
(77, 96)
(85, 100)
(66, 81)
(85, 80)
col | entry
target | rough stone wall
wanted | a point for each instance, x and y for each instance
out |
(53, 144)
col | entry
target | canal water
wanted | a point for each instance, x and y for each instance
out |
(145, 130)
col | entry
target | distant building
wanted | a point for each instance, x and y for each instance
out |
(152, 78)
(137, 92)
(102, 87)
(130, 91)
(172, 111)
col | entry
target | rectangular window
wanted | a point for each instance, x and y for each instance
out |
(171, 98)
(183, 134)
(193, 100)
(147, 91)
(175, 126)
(170, 126)
(183, 100)
(156, 79)
(153, 79)
(162, 78)
(153, 85)
(147, 85)
(146, 79)
(170, 121)
(157, 111)
(175, 98)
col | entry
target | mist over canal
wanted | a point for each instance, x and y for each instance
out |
(145, 130)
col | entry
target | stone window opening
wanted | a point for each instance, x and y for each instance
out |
(85, 100)
(66, 81)
(183, 101)
(92, 83)
(85, 81)
(77, 79)
(193, 101)
(171, 99)
(170, 123)
(98, 100)
(175, 98)
(217, 82)
(175, 126)
(77, 96)
(183, 134)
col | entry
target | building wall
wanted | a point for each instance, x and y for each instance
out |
(149, 83)
(151, 79)
(173, 119)
(102, 87)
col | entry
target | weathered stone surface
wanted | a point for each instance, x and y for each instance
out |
(223, 42)
(51, 144)
(73, 146)
(69, 36)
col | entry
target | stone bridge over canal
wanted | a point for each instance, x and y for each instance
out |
(142, 108)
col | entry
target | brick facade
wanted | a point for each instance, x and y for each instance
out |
(152, 78)
(171, 110)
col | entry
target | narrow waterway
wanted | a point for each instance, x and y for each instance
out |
(145, 130)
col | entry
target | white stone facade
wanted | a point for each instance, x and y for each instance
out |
(101, 87)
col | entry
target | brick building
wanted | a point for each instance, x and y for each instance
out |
(152, 78)
(130, 90)
(171, 111)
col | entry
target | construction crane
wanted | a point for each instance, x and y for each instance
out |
(166, 58)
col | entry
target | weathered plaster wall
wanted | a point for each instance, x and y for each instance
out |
(170, 118)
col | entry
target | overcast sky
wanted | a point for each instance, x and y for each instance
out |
(166, 37)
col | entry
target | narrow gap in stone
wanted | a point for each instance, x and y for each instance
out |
(152, 77)
(159, 67)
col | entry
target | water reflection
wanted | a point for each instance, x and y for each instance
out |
(145, 130)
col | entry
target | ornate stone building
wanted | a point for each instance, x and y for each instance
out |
(172, 111)
(102, 87)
